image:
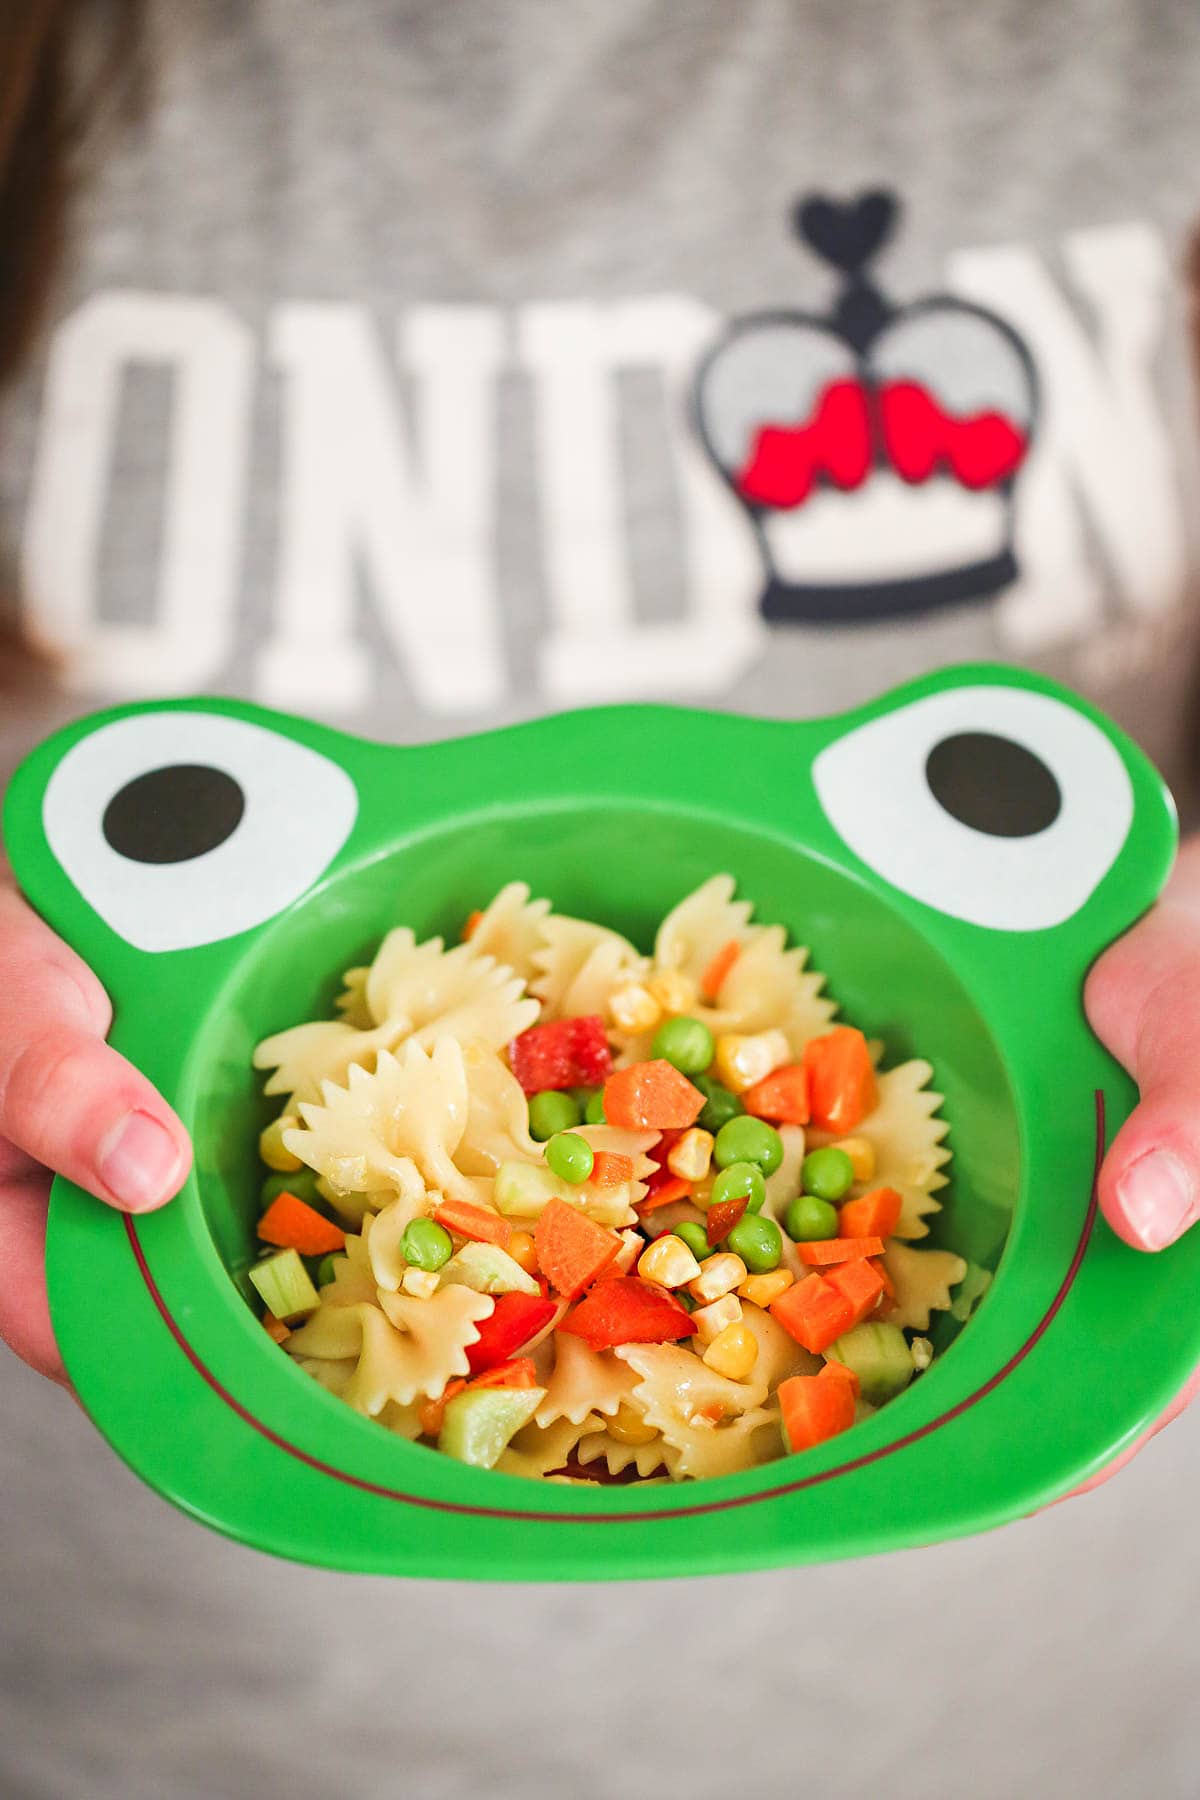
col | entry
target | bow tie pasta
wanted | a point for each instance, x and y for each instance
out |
(556, 1205)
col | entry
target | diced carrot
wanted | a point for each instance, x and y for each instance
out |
(472, 925)
(841, 1079)
(876, 1214)
(813, 1312)
(859, 1283)
(814, 1410)
(572, 1250)
(836, 1371)
(519, 1373)
(651, 1096)
(434, 1411)
(292, 1224)
(838, 1250)
(713, 978)
(720, 1219)
(610, 1169)
(781, 1096)
(715, 1412)
(474, 1222)
(275, 1328)
(665, 1194)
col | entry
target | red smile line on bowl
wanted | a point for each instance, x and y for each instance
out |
(634, 1518)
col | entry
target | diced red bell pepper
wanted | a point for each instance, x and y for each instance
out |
(564, 1053)
(514, 1319)
(720, 1219)
(627, 1310)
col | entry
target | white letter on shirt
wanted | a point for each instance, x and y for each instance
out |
(352, 494)
(209, 355)
(597, 650)
(1102, 447)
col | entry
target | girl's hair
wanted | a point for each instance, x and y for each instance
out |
(66, 67)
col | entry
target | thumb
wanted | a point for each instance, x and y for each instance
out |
(1143, 1000)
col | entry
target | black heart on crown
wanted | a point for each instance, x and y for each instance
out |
(847, 233)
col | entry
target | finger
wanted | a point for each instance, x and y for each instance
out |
(24, 1309)
(66, 1099)
(1181, 1401)
(1143, 999)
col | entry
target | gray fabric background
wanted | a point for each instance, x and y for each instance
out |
(398, 152)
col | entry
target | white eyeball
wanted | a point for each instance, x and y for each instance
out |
(181, 828)
(993, 804)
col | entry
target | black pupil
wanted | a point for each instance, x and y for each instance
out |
(171, 815)
(993, 784)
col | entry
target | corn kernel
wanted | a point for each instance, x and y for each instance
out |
(522, 1251)
(862, 1156)
(741, 1061)
(669, 1262)
(674, 991)
(422, 1284)
(708, 1322)
(734, 1353)
(634, 1008)
(922, 1353)
(691, 1154)
(272, 1148)
(761, 1290)
(628, 1426)
(719, 1275)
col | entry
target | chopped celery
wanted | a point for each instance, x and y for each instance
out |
(479, 1423)
(521, 1190)
(487, 1269)
(283, 1284)
(879, 1356)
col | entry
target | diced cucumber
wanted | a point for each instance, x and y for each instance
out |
(879, 1356)
(478, 1424)
(487, 1269)
(971, 1289)
(522, 1189)
(283, 1283)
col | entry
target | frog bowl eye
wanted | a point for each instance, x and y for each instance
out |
(183, 827)
(996, 805)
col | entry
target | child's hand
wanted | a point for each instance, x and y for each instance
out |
(1143, 1000)
(69, 1104)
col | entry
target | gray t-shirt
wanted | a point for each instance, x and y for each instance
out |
(423, 367)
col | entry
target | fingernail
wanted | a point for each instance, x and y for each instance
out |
(1157, 1196)
(139, 1161)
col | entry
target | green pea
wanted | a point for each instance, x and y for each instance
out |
(551, 1111)
(325, 1271)
(720, 1105)
(748, 1140)
(593, 1112)
(738, 1180)
(828, 1173)
(759, 1243)
(686, 1043)
(303, 1183)
(570, 1156)
(807, 1219)
(426, 1244)
(695, 1237)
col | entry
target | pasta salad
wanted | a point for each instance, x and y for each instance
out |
(560, 1208)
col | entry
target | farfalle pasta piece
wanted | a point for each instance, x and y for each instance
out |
(702, 924)
(907, 1139)
(922, 1279)
(351, 1003)
(305, 1056)
(383, 1233)
(353, 1276)
(578, 966)
(779, 1355)
(405, 1347)
(583, 1381)
(538, 1451)
(510, 928)
(446, 993)
(769, 988)
(601, 1446)
(334, 1377)
(674, 1393)
(497, 1127)
(393, 1132)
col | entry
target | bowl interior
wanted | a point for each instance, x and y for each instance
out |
(623, 866)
